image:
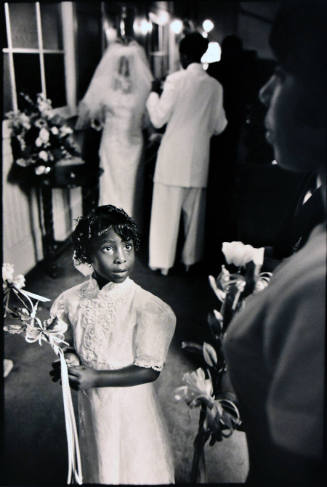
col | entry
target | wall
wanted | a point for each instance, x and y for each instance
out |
(254, 24)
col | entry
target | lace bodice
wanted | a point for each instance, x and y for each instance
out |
(119, 325)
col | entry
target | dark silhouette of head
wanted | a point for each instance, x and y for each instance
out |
(295, 96)
(191, 48)
(231, 47)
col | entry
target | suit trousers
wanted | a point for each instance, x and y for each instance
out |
(168, 205)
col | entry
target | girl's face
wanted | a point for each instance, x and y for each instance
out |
(298, 146)
(112, 258)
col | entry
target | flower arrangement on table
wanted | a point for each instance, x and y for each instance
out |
(20, 308)
(40, 137)
(208, 387)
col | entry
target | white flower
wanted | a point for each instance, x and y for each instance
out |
(25, 121)
(19, 281)
(197, 381)
(64, 130)
(14, 329)
(44, 104)
(22, 142)
(22, 162)
(32, 333)
(260, 285)
(209, 354)
(7, 272)
(224, 277)
(38, 142)
(54, 130)
(197, 389)
(40, 170)
(40, 123)
(218, 316)
(43, 155)
(239, 254)
(44, 135)
(221, 295)
(262, 281)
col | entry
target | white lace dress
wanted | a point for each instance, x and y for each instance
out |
(123, 438)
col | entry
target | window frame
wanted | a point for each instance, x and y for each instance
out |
(67, 16)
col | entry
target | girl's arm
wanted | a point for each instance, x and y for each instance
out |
(83, 377)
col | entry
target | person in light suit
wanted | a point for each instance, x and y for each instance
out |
(191, 105)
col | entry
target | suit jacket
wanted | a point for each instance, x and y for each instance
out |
(192, 106)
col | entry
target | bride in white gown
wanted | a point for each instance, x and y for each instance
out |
(115, 102)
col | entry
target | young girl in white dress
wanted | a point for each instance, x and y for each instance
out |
(120, 334)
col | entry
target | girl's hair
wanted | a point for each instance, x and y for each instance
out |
(91, 227)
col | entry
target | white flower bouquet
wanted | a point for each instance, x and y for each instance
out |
(40, 137)
(208, 386)
(20, 311)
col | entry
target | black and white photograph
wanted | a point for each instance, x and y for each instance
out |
(164, 242)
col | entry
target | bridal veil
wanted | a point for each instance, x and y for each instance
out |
(123, 67)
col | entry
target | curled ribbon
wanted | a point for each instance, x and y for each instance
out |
(38, 331)
(74, 456)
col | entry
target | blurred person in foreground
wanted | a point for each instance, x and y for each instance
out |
(275, 347)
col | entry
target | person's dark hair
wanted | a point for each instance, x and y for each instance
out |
(299, 37)
(193, 45)
(232, 43)
(91, 227)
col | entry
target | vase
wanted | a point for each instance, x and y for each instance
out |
(66, 173)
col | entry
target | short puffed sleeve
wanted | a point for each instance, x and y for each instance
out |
(58, 308)
(154, 331)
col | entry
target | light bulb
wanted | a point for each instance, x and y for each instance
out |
(176, 26)
(142, 26)
(208, 25)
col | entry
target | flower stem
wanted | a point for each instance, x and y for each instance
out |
(198, 473)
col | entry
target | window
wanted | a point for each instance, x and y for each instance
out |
(34, 54)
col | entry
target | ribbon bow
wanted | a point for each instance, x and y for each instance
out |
(52, 331)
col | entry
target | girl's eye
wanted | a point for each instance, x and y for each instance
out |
(128, 246)
(107, 249)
